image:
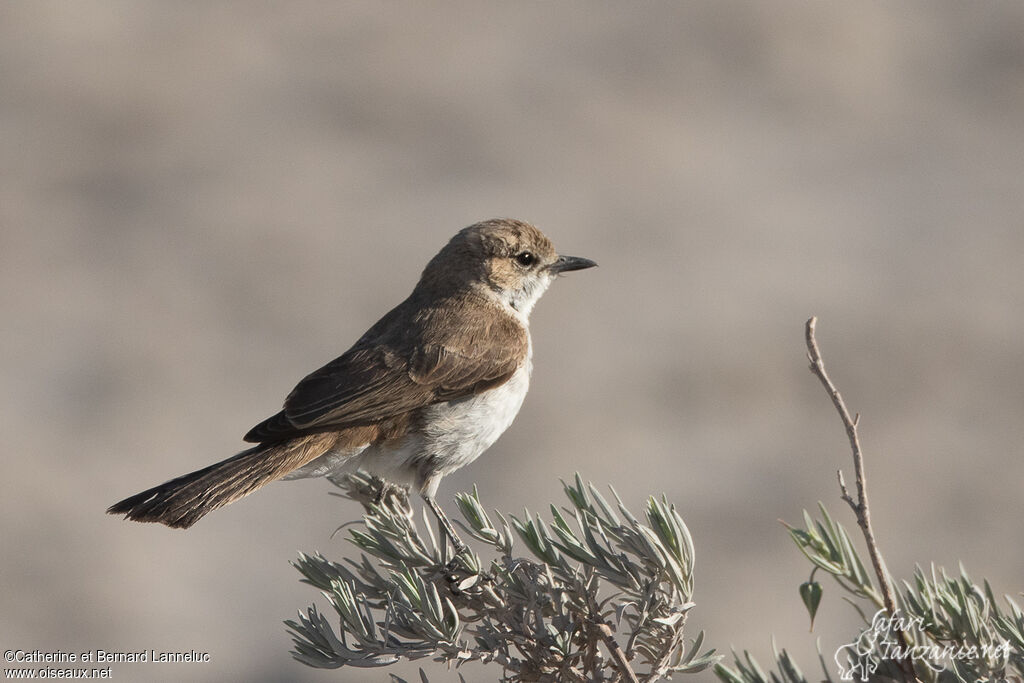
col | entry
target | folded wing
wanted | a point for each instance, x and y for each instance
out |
(377, 380)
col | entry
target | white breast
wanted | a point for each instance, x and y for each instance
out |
(456, 433)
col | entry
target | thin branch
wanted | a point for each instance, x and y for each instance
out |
(844, 494)
(621, 663)
(659, 671)
(860, 506)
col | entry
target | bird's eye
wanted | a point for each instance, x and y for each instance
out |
(525, 258)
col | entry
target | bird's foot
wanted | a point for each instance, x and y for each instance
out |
(393, 496)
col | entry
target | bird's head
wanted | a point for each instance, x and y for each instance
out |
(502, 258)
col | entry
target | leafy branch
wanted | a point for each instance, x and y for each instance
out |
(937, 628)
(603, 597)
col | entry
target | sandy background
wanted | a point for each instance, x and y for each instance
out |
(201, 202)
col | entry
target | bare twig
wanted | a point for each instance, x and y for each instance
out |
(860, 506)
(844, 494)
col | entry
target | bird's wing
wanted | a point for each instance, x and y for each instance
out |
(465, 355)
(373, 382)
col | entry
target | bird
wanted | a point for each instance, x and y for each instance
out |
(425, 391)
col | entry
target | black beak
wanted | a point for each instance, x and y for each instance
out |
(563, 264)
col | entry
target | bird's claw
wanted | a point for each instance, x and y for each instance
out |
(454, 565)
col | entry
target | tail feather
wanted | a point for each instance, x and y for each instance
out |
(181, 502)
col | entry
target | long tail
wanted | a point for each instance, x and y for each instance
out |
(181, 502)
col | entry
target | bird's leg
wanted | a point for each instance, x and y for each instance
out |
(457, 544)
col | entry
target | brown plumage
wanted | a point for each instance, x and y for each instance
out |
(181, 502)
(424, 391)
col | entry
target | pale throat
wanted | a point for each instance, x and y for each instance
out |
(520, 301)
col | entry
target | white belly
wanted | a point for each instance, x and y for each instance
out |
(458, 432)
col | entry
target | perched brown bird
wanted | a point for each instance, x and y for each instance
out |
(425, 391)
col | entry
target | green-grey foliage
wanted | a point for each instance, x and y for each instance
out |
(600, 591)
(748, 670)
(951, 628)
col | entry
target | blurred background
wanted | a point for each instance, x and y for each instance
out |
(202, 202)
